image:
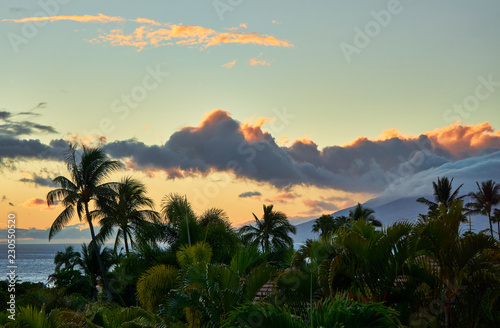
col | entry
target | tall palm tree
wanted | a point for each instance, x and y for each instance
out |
(483, 201)
(67, 258)
(270, 231)
(83, 188)
(325, 225)
(442, 194)
(360, 212)
(128, 212)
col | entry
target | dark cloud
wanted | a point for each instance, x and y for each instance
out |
(250, 194)
(28, 149)
(223, 144)
(39, 181)
(11, 204)
(4, 115)
(14, 128)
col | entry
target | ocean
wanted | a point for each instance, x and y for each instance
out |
(35, 262)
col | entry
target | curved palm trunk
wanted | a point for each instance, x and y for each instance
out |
(99, 260)
(125, 241)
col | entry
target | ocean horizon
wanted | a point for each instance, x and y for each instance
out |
(34, 262)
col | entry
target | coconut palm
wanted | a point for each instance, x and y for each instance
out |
(483, 201)
(129, 211)
(180, 216)
(83, 188)
(89, 264)
(67, 258)
(269, 232)
(325, 225)
(442, 194)
(360, 212)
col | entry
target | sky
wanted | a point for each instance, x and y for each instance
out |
(310, 106)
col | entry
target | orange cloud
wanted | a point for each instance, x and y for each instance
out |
(77, 18)
(37, 203)
(91, 140)
(229, 65)
(185, 35)
(252, 130)
(456, 138)
(255, 62)
(305, 141)
(284, 140)
(168, 35)
(146, 21)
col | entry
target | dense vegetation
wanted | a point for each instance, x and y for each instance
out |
(180, 269)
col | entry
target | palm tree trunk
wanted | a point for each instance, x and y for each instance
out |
(99, 260)
(498, 227)
(447, 312)
(491, 225)
(125, 241)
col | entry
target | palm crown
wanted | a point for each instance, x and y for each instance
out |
(270, 231)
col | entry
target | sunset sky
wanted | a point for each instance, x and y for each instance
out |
(311, 106)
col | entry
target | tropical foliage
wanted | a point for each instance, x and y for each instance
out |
(181, 269)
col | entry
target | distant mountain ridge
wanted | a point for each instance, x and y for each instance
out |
(406, 208)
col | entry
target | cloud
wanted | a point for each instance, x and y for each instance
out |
(282, 198)
(467, 171)
(11, 204)
(250, 194)
(76, 18)
(152, 33)
(229, 65)
(182, 35)
(318, 206)
(220, 143)
(256, 62)
(11, 127)
(37, 203)
(39, 181)
(13, 148)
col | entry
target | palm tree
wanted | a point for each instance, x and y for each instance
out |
(90, 265)
(67, 258)
(483, 201)
(84, 187)
(325, 224)
(128, 212)
(460, 262)
(366, 213)
(270, 231)
(180, 216)
(442, 194)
